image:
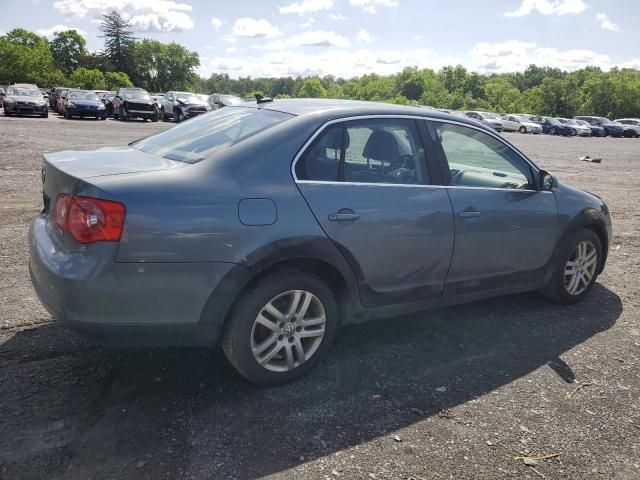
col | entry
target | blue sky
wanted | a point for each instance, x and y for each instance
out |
(354, 37)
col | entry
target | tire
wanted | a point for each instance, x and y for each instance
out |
(523, 129)
(553, 131)
(164, 116)
(243, 332)
(45, 114)
(66, 115)
(178, 116)
(115, 116)
(574, 133)
(557, 290)
(7, 114)
(155, 118)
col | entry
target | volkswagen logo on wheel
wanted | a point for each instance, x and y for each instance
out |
(289, 329)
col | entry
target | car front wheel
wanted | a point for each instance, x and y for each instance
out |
(523, 129)
(577, 266)
(281, 328)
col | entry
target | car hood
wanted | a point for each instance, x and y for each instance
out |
(25, 98)
(89, 103)
(86, 163)
(138, 100)
(191, 104)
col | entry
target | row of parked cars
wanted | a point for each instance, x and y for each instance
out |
(581, 125)
(128, 103)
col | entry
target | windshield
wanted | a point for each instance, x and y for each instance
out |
(205, 135)
(83, 96)
(24, 92)
(136, 95)
(490, 115)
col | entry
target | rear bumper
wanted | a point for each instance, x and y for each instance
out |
(127, 304)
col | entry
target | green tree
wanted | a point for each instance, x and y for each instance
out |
(88, 79)
(501, 95)
(25, 57)
(115, 80)
(67, 49)
(312, 88)
(161, 67)
(119, 42)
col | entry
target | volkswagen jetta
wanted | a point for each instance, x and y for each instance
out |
(265, 227)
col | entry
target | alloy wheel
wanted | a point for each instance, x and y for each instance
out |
(580, 268)
(288, 330)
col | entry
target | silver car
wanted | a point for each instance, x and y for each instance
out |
(520, 123)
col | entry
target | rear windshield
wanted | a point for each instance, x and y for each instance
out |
(80, 95)
(201, 137)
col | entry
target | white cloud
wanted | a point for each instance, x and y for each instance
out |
(216, 23)
(417, 37)
(320, 38)
(337, 17)
(229, 39)
(154, 22)
(145, 15)
(605, 23)
(309, 23)
(338, 62)
(307, 6)
(548, 7)
(50, 32)
(514, 55)
(370, 6)
(250, 27)
(364, 36)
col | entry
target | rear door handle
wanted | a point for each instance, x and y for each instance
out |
(469, 214)
(343, 217)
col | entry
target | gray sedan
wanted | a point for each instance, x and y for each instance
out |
(265, 227)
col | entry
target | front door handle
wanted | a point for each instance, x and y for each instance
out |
(469, 214)
(344, 215)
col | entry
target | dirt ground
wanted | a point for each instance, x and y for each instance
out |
(452, 393)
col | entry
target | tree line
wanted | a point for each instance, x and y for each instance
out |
(159, 67)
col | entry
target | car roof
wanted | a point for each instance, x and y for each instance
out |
(329, 108)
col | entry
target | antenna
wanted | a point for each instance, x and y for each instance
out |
(260, 99)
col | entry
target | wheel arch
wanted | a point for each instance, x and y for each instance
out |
(315, 256)
(591, 219)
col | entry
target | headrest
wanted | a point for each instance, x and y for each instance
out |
(381, 145)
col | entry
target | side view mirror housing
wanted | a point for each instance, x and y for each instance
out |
(547, 181)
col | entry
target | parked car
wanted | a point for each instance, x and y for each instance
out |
(3, 95)
(53, 97)
(157, 99)
(520, 123)
(219, 100)
(183, 105)
(272, 229)
(100, 93)
(24, 99)
(60, 100)
(630, 124)
(492, 120)
(596, 130)
(84, 103)
(610, 128)
(553, 127)
(107, 101)
(134, 103)
(581, 130)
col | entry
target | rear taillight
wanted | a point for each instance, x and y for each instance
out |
(90, 220)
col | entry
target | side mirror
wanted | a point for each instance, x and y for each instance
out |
(547, 181)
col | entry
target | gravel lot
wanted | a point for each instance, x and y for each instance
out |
(451, 393)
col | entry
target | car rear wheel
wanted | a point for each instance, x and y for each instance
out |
(281, 328)
(576, 269)
(178, 116)
(553, 131)
(523, 129)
